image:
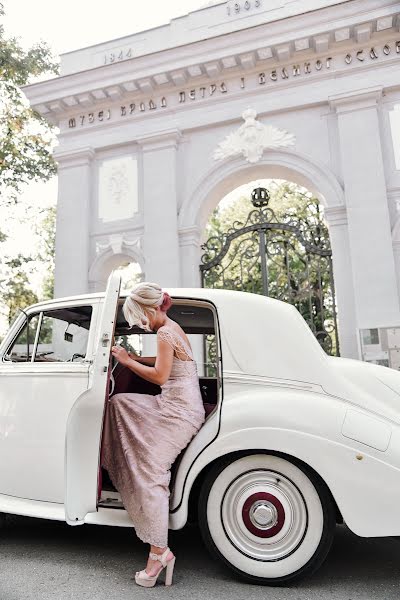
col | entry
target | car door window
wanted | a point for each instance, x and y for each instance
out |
(63, 335)
(146, 344)
(22, 347)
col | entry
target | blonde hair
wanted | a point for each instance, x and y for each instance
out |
(142, 301)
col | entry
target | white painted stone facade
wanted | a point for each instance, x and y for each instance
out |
(141, 117)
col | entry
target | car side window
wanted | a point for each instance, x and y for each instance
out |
(22, 347)
(63, 335)
(146, 345)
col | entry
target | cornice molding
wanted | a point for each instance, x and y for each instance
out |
(204, 61)
(73, 157)
(356, 100)
(160, 141)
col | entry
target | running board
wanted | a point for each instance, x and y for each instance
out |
(109, 499)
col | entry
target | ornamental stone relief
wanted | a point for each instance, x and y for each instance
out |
(118, 244)
(118, 189)
(252, 138)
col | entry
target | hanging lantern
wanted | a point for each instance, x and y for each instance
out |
(259, 197)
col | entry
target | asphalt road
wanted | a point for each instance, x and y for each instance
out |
(49, 560)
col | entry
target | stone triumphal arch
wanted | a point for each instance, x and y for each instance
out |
(155, 128)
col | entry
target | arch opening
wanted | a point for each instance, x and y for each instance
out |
(270, 237)
(130, 268)
(223, 178)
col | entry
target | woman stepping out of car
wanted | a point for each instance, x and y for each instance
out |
(143, 434)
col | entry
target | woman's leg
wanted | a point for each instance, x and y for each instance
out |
(138, 464)
(153, 566)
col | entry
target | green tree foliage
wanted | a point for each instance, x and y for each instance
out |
(15, 291)
(46, 234)
(17, 272)
(26, 138)
(26, 142)
(296, 270)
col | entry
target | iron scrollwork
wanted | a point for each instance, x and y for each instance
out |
(289, 260)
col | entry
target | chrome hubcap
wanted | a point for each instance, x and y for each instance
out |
(264, 515)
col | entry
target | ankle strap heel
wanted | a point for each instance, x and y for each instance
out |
(142, 578)
(161, 557)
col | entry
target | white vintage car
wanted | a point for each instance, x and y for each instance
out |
(295, 441)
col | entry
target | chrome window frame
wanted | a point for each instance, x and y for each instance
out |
(24, 321)
(35, 343)
(92, 302)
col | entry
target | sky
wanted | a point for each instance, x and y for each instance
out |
(75, 23)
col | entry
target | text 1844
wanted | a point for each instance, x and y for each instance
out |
(112, 57)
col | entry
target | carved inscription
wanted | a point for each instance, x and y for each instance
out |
(263, 78)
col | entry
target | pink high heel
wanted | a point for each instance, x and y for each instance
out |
(146, 580)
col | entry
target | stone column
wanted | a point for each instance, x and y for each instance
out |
(370, 241)
(394, 196)
(396, 252)
(190, 251)
(72, 223)
(343, 280)
(160, 206)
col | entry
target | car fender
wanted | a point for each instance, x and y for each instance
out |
(308, 426)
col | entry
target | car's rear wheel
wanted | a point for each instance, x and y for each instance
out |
(271, 521)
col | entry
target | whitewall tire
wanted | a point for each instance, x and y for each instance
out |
(270, 521)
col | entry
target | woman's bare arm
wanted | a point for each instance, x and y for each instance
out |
(144, 360)
(158, 373)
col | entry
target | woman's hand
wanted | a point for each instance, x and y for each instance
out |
(121, 355)
(155, 369)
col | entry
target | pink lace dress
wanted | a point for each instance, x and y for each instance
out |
(143, 435)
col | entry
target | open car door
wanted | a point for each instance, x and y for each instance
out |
(84, 425)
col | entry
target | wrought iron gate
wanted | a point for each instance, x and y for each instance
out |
(283, 260)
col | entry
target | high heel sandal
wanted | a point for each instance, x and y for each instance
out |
(146, 580)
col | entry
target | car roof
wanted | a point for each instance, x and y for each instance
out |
(175, 292)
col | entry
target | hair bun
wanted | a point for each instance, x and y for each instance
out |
(166, 302)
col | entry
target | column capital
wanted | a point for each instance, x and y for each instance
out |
(356, 99)
(189, 236)
(336, 215)
(74, 157)
(159, 141)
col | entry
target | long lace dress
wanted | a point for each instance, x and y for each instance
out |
(142, 436)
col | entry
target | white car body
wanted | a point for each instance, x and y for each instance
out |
(281, 395)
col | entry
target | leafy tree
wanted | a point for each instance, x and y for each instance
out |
(26, 142)
(26, 138)
(17, 271)
(15, 291)
(294, 273)
(46, 233)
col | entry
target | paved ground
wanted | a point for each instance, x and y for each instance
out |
(48, 560)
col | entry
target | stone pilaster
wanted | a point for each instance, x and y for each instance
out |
(370, 241)
(72, 225)
(160, 242)
(336, 217)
